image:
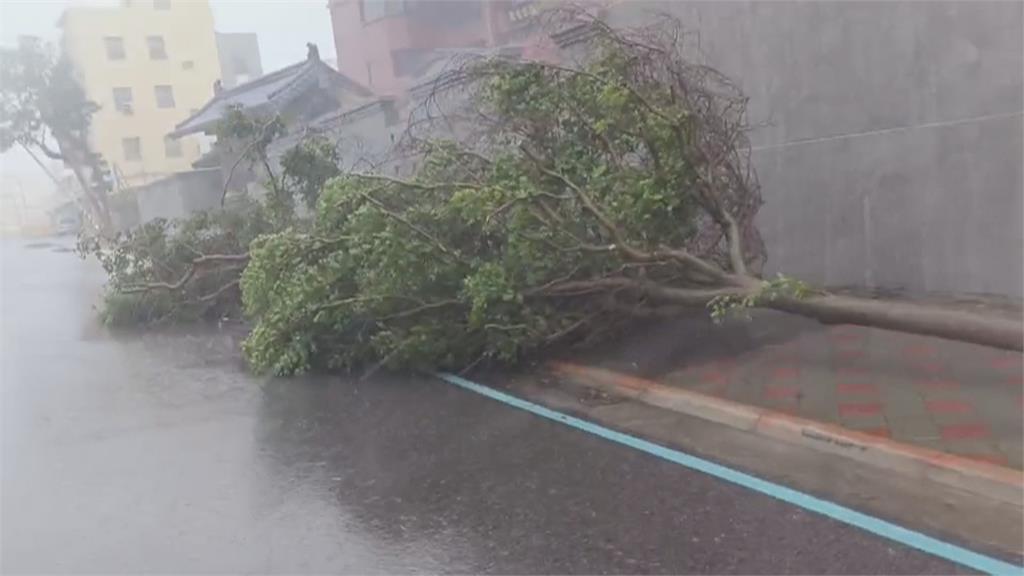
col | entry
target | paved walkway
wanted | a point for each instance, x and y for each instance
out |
(950, 396)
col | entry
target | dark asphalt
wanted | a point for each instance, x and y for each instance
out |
(159, 453)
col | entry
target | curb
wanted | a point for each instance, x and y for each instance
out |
(965, 474)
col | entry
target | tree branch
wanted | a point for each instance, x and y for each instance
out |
(271, 176)
(698, 264)
(735, 244)
(361, 299)
(418, 309)
(396, 216)
(213, 295)
(188, 275)
(45, 149)
(252, 144)
(591, 206)
(687, 296)
(418, 185)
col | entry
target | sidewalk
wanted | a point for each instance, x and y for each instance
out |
(958, 398)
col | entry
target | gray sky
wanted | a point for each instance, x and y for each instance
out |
(283, 28)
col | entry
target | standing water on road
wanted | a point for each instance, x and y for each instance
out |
(133, 451)
(125, 453)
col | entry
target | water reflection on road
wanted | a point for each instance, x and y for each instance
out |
(133, 451)
(158, 452)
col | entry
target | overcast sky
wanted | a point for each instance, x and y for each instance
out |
(283, 28)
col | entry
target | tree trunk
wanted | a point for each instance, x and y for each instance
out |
(100, 214)
(985, 329)
(994, 331)
(77, 160)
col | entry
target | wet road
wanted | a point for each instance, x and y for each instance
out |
(124, 454)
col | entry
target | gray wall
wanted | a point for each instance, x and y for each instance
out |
(890, 147)
(893, 151)
(179, 195)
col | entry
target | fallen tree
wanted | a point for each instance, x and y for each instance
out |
(552, 202)
(169, 271)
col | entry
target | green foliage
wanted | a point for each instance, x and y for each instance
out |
(544, 219)
(39, 96)
(722, 307)
(462, 263)
(308, 166)
(143, 309)
(144, 265)
(250, 138)
(260, 132)
(42, 106)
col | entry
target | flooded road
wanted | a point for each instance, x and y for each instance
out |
(159, 453)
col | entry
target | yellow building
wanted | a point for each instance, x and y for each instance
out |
(148, 64)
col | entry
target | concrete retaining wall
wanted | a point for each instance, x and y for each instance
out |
(179, 195)
(892, 154)
(890, 140)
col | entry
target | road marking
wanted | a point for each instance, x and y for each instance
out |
(896, 533)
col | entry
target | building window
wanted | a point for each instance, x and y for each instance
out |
(123, 100)
(162, 4)
(172, 147)
(115, 47)
(522, 12)
(157, 51)
(132, 149)
(188, 65)
(164, 96)
(377, 9)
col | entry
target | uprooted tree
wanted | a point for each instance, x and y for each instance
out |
(40, 100)
(551, 203)
(168, 271)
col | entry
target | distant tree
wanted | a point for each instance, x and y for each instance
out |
(309, 165)
(253, 136)
(43, 106)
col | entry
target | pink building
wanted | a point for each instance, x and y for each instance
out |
(385, 44)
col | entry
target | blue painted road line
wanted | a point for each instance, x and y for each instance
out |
(905, 536)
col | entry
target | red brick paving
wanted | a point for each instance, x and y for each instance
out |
(850, 372)
(713, 376)
(938, 394)
(850, 388)
(948, 407)
(930, 367)
(938, 384)
(785, 373)
(919, 351)
(860, 409)
(882, 431)
(964, 431)
(997, 459)
(1006, 363)
(846, 335)
(850, 354)
(777, 392)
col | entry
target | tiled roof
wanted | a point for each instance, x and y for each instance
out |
(264, 93)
